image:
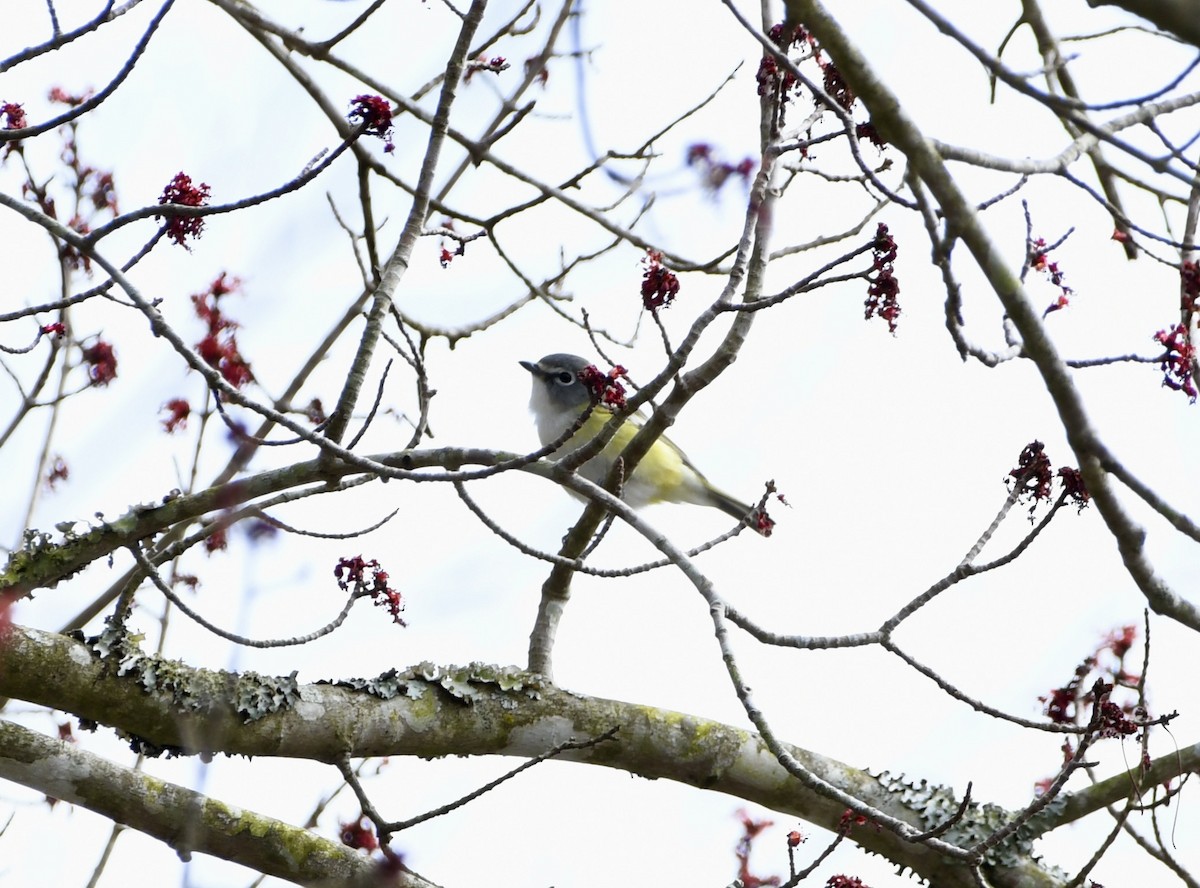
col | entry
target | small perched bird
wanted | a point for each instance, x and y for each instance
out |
(664, 474)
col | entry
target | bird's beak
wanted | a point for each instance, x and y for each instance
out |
(530, 366)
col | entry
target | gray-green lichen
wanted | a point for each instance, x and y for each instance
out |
(935, 805)
(251, 695)
(41, 561)
(462, 683)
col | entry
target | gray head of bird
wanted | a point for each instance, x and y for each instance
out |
(557, 388)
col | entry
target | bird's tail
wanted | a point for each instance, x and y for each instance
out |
(743, 512)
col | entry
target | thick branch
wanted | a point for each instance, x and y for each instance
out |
(185, 820)
(435, 711)
(1177, 16)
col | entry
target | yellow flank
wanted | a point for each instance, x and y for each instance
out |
(662, 473)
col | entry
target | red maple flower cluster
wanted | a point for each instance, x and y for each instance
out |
(178, 411)
(1073, 486)
(1063, 705)
(1035, 476)
(358, 834)
(1176, 363)
(354, 572)
(495, 65)
(605, 388)
(62, 97)
(1039, 260)
(102, 362)
(1033, 472)
(374, 114)
(180, 190)
(59, 471)
(849, 820)
(1119, 641)
(1114, 721)
(763, 523)
(771, 77)
(660, 286)
(835, 85)
(217, 541)
(750, 831)
(884, 289)
(866, 132)
(715, 172)
(219, 347)
(14, 116)
(846, 882)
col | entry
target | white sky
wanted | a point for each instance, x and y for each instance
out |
(891, 450)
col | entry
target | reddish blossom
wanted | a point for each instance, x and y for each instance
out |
(101, 361)
(180, 190)
(1119, 641)
(714, 172)
(795, 838)
(495, 65)
(1060, 703)
(795, 36)
(69, 254)
(763, 523)
(1189, 286)
(543, 74)
(446, 257)
(358, 834)
(1073, 485)
(219, 348)
(178, 410)
(605, 389)
(353, 572)
(1039, 260)
(1063, 704)
(59, 471)
(102, 191)
(660, 286)
(835, 86)
(60, 96)
(771, 79)
(57, 329)
(66, 733)
(845, 882)
(866, 132)
(751, 829)
(14, 116)
(217, 541)
(1033, 472)
(222, 354)
(1176, 362)
(849, 820)
(314, 412)
(223, 285)
(1112, 718)
(883, 288)
(1120, 236)
(374, 115)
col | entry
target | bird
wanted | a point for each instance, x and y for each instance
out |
(664, 474)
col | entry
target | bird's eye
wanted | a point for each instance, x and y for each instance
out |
(564, 377)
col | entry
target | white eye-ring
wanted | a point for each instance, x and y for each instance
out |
(564, 377)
